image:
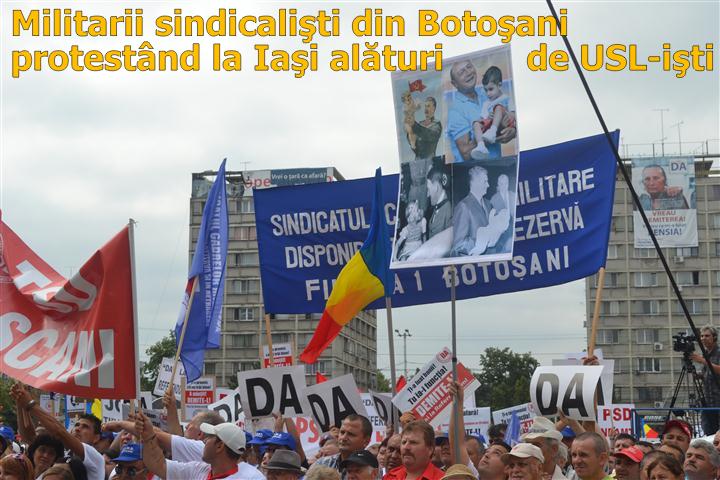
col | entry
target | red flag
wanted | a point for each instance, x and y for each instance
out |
(73, 336)
(416, 86)
(401, 382)
(320, 378)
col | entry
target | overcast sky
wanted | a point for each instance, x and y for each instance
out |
(84, 151)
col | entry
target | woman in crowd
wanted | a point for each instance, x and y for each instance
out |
(16, 467)
(665, 467)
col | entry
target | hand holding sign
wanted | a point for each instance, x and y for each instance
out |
(570, 389)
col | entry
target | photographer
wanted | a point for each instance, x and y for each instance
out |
(708, 337)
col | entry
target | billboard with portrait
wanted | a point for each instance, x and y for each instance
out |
(666, 187)
(457, 139)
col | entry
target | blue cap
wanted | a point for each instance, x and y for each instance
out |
(8, 433)
(567, 432)
(441, 437)
(282, 439)
(261, 437)
(131, 452)
(106, 435)
(248, 437)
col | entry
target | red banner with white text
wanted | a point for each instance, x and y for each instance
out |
(73, 336)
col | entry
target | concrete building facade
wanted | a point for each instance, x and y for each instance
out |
(639, 313)
(243, 323)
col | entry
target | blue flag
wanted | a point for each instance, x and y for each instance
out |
(208, 272)
(512, 434)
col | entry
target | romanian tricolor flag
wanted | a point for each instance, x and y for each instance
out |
(320, 378)
(649, 432)
(365, 278)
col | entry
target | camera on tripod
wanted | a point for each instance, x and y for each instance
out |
(684, 343)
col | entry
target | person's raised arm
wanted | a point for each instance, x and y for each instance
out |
(173, 421)
(152, 453)
(26, 429)
(164, 439)
(457, 425)
(292, 430)
(28, 404)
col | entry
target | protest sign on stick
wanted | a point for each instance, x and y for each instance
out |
(426, 395)
(230, 408)
(269, 390)
(567, 388)
(525, 414)
(330, 402)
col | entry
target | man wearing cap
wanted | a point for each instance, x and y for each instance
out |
(491, 466)
(627, 463)
(361, 465)
(524, 462)
(442, 447)
(129, 464)
(416, 449)
(547, 438)
(701, 461)
(258, 443)
(221, 457)
(7, 436)
(678, 433)
(284, 465)
(355, 434)
(589, 456)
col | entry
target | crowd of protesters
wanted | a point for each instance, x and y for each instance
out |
(208, 449)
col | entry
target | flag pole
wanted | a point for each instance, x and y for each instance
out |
(596, 312)
(268, 334)
(458, 407)
(133, 281)
(391, 346)
(182, 333)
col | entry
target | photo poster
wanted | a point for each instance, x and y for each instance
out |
(666, 187)
(459, 159)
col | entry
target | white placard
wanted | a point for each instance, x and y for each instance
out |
(198, 395)
(604, 393)
(568, 388)
(382, 402)
(426, 395)
(282, 355)
(163, 378)
(268, 390)
(476, 420)
(617, 416)
(230, 408)
(525, 414)
(334, 400)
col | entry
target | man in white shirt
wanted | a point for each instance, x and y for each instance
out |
(221, 457)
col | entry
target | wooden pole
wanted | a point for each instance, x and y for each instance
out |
(268, 334)
(182, 335)
(458, 408)
(596, 312)
(391, 346)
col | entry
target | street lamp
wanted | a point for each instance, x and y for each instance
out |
(404, 334)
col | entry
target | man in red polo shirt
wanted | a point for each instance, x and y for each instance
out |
(416, 449)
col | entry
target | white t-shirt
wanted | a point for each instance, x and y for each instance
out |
(200, 471)
(94, 463)
(185, 450)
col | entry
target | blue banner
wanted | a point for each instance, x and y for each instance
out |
(564, 208)
(208, 265)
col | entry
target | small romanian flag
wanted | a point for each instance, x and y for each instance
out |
(649, 432)
(401, 382)
(320, 378)
(365, 278)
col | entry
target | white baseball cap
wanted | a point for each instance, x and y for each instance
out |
(542, 428)
(229, 433)
(524, 450)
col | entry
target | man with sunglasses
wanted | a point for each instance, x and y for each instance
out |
(129, 464)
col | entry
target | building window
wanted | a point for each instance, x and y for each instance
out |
(609, 308)
(687, 278)
(349, 346)
(247, 205)
(607, 337)
(311, 368)
(649, 394)
(249, 259)
(240, 341)
(694, 305)
(649, 365)
(197, 207)
(243, 314)
(646, 336)
(717, 249)
(280, 338)
(645, 279)
(646, 307)
(209, 368)
(246, 286)
(686, 251)
(620, 365)
(713, 192)
(195, 233)
(612, 252)
(644, 253)
(611, 280)
(716, 221)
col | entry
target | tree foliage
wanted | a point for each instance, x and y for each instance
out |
(7, 404)
(504, 378)
(383, 383)
(156, 352)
